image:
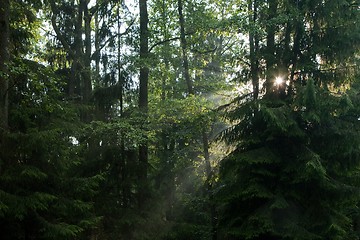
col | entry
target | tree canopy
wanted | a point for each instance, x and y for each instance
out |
(183, 119)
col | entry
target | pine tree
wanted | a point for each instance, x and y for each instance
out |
(41, 194)
(293, 171)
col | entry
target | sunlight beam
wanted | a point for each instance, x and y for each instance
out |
(279, 80)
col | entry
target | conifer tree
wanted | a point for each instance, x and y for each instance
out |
(41, 195)
(292, 174)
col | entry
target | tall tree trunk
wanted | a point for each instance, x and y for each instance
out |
(144, 50)
(119, 65)
(75, 50)
(209, 176)
(284, 61)
(165, 50)
(254, 48)
(184, 48)
(97, 49)
(4, 58)
(270, 47)
(205, 138)
(143, 97)
(86, 71)
(78, 51)
(124, 162)
(295, 54)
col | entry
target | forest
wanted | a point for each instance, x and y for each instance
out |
(180, 119)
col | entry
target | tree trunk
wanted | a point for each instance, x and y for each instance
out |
(97, 49)
(4, 58)
(295, 55)
(143, 98)
(86, 71)
(144, 49)
(78, 45)
(254, 48)
(205, 138)
(184, 48)
(165, 50)
(119, 64)
(209, 176)
(270, 47)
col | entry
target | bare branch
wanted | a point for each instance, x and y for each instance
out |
(162, 42)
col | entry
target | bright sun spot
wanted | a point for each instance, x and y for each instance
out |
(279, 80)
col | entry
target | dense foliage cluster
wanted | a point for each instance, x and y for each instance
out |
(179, 119)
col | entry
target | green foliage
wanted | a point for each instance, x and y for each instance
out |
(291, 173)
(280, 184)
(24, 27)
(42, 196)
(69, 166)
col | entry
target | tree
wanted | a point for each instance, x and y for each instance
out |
(4, 58)
(39, 160)
(42, 196)
(186, 141)
(254, 46)
(285, 179)
(110, 124)
(143, 97)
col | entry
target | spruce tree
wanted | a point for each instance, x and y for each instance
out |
(41, 194)
(293, 171)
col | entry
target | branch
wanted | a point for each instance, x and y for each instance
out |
(166, 40)
(227, 46)
(128, 28)
(97, 51)
(244, 61)
(338, 68)
(162, 42)
(59, 35)
(205, 51)
(235, 101)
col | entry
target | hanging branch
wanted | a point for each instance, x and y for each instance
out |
(59, 35)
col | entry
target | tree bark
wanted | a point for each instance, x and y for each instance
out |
(184, 48)
(97, 49)
(143, 98)
(144, 50)
(166, 48)
(254, 48)
(270, 46)
(295, 55)
(86, 71)
(209, 176)
(80, 51)
(4, 58)
(120, 77)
